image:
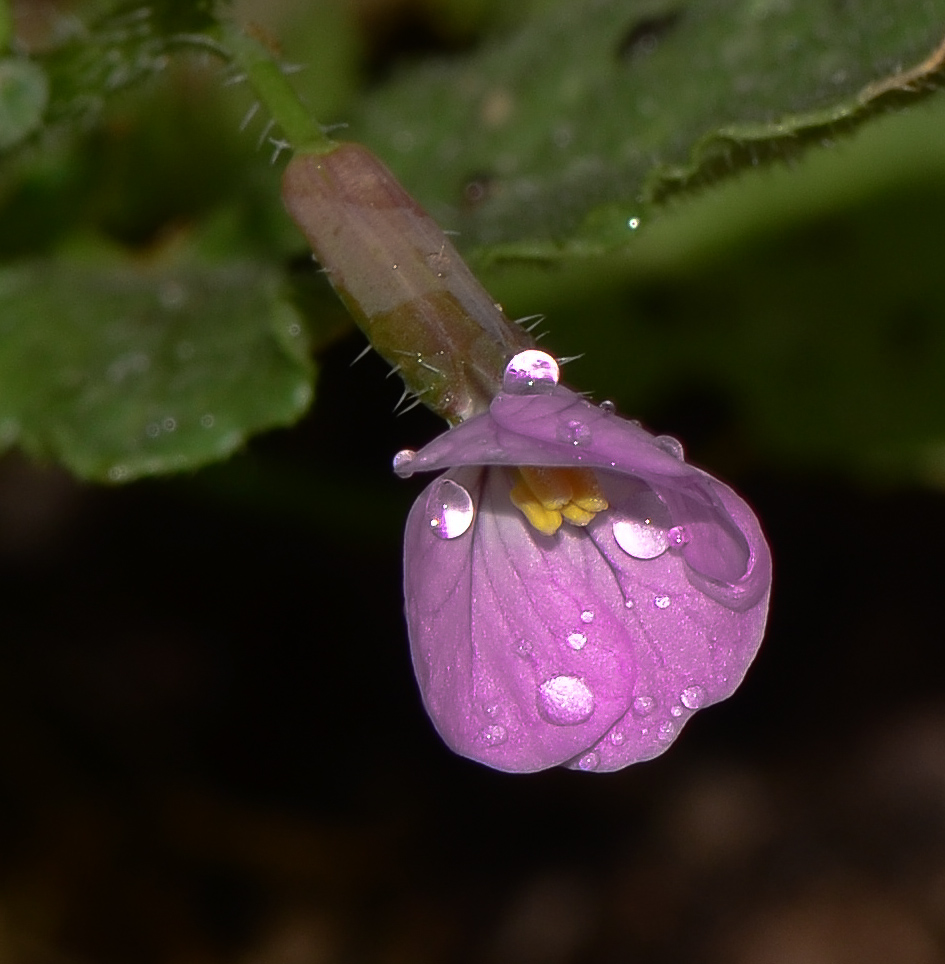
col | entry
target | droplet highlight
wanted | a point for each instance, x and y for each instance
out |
(403, 458)
(574, 432)
(678, 536)
(692, 697)
(577, 640)
(671, 446)
(449, 509)
(644, 705)
(531, 372)
(565, 700)
(590, 761)
(639, 538)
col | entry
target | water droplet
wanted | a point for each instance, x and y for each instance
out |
(608, 406)
(565, 700)
(692, 697)
(633, 223)
(494, 735)
(590, 761)
(671, 446)
(574, 432)
(577, 640)
(530, 372)
(118, 473)
(207, 420)
(295, 329)
(587, 616)
(666, 731)
(153, 430)
(629, 604)
(438, 262)
(523, 649)
(640, 538)
(449, 509)
(644, 705)
(404, 457)
(169, 424)
(678, 536)
(662, 602)
(676, 710)
(616, 737)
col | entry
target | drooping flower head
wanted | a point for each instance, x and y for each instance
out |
(575, 590)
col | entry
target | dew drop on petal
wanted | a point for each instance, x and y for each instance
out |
(608, 406)
(666, 731)
(494, 735)
(671, 446)
(644, 705)
(678, 536)
(574, 432)
(692, 697)
(640, 538)
(565, 700)
(662, 602)
(449, 509)
(587, 616)
(676, 710)
(577, 640)
(404, 457)
(530, 372)
(616, 737)
(590, 761)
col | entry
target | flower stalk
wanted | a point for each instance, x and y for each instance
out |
(394, 268)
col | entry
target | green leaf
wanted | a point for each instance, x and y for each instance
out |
(24, 93)
(120, 372)
(565, 135)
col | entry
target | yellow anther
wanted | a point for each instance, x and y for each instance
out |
(577, 516)
(551, 487)
(546, 521)
(585, 490)
(546, 495)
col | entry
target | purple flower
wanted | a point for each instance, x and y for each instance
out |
(574, 589)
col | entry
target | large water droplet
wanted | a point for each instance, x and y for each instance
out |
(530, 372)
(577, 640)
(662, 602)
(574, 432)
(404, 457)
(640, 538)
(644, 705)
(565, 700)
(692, 697)
(449, 509)
(590, 761)
(671, 446)
(494, 735)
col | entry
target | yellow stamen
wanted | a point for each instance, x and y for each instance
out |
(586, 490)
(551, 487)
(546, 521)
(546, 495)
(577, 516)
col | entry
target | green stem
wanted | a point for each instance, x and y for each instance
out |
(6, 25)
(276, 93)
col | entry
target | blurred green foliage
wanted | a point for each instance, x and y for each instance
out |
(575, 145)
